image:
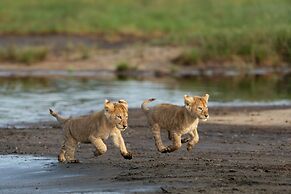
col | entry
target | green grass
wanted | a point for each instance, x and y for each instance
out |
(181, 19)
(24, 55)
(255, 31)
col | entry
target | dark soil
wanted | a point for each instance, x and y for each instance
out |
(227, 159)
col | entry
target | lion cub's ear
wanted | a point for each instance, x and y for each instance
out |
(206, 96)
(124, 103)
(108, 106)
(188, 99)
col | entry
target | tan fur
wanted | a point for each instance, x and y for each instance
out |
(177, 121)
(94, 128)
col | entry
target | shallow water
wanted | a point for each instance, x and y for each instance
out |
(30, 174)
(8, 162)
(26, 100)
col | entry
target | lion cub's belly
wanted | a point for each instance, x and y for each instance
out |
(189, 128)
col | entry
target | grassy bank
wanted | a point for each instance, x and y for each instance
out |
(247, 31)
(248, 50)
(24, 55)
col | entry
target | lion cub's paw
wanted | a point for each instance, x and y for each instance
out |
(61, 158)
(97, 153)
(166, 150)
(127, 156)
(189, 147)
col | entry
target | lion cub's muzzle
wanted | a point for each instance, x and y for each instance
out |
(122, 127)
(206, 116)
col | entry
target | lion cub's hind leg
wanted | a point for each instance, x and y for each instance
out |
(157, 137)
(61, 156)
(100, 146)
(69, 150)
(176, 143)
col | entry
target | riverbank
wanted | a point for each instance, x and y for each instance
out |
(240, 150)
(131, 60)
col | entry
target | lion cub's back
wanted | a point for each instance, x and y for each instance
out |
(164, 113)
(81, 127)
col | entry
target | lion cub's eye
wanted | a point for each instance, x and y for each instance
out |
(119, 117)
(200, 108)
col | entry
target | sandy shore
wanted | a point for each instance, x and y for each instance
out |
(240, 150)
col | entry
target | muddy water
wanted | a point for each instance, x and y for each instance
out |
(25, 100)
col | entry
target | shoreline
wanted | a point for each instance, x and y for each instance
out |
(102, 73)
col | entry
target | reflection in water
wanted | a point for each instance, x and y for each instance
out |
(249, 88)
(28, 99)
(284, 85)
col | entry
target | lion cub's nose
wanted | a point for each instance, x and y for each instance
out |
(124, 126)
(206, 115)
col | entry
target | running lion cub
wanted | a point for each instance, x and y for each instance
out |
(94, 128)
(177, 121)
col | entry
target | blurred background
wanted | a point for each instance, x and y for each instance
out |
(72, 54)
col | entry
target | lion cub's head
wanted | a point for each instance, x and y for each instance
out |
(117, 113)
(197, 106)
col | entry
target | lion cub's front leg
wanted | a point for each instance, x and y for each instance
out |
(100, 146)
(119, 143)
(193, 140)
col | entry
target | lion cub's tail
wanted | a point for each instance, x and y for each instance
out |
(144, 104)
(60, 118)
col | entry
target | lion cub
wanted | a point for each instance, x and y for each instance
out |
(177, 121)
(94, 128)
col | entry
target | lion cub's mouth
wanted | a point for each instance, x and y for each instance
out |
(121, 128)
(204, 118)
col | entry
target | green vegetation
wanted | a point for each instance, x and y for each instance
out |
(257, 49)
(121, 67)
(249, 31)
(26, 55)
(178, 20)
(124, 67)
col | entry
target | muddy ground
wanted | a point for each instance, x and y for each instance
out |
(230, 158)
